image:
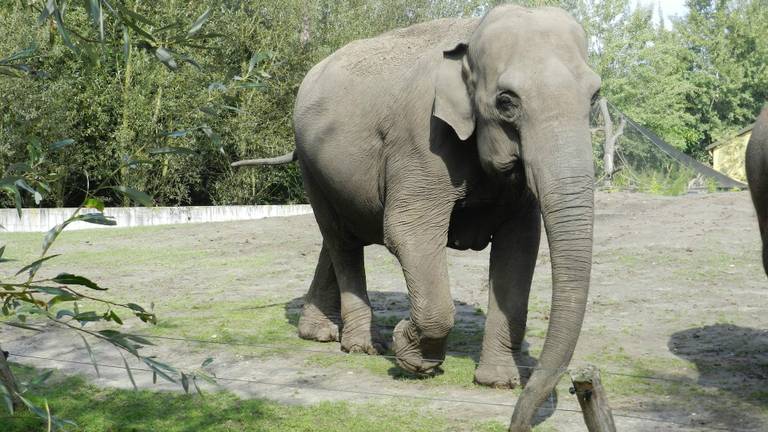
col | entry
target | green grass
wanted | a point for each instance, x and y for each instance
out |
(667, 180)
(458, 370)
(627, 375)
(134, 258)
(252, 327)
(677, 383)
(103, 409)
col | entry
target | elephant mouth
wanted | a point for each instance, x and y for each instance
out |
(509, 167)
(510, 171)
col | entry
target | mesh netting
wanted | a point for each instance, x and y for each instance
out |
(644, 162)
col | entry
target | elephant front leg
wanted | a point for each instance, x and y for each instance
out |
(420, 341)
(504, 363)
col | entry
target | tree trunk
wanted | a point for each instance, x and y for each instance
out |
(9, 381)
(611, 138)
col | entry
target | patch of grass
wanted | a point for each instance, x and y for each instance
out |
(131, 260)
(264, 321)
(103, 409)
(536, 330)
(458, 371)
(668, 179)
(631, 261)
(626, 375)
(759, 397)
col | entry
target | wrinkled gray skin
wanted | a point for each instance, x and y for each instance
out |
(757, 175)
(461, 133)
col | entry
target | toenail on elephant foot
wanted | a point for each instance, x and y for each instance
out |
(497, 375)
(415, 354)
(320, 329)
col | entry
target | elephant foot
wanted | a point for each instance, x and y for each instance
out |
(500, 377)
(504, 373)
(416, 354)
(363, 342)
(317, 326)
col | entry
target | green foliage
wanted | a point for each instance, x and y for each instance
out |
(671, 179)
(692, 83)
(725, 57)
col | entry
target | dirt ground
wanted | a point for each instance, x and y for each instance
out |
(676, 319)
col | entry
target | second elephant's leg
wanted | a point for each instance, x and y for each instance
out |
(503, 362)
(359, 333)
(320, 318)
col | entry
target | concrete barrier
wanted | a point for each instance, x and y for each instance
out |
(41, 220)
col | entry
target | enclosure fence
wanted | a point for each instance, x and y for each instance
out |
(644, 162)
(550, 405)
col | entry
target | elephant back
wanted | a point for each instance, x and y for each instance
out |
(402, 48)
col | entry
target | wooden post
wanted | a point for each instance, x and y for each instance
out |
(9, 381)
(592, 398)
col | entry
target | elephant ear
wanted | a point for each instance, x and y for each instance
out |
(453, 104)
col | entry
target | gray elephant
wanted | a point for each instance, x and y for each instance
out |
(458, 133)
(757, 176)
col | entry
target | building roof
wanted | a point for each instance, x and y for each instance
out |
(728, 140)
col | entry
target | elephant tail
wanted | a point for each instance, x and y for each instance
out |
(279, 160)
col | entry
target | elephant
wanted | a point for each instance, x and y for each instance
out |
(458, 133)
(756, 166)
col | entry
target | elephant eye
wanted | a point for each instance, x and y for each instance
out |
(508, 103)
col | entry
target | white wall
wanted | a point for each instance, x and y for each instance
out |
(41, 220)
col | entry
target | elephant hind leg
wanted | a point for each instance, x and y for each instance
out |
(359, 333)
(338, 291)
(320, 318)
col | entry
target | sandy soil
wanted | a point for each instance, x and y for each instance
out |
(678, 294)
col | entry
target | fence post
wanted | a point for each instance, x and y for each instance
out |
(592, 398)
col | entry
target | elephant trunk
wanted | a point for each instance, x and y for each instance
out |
(563, 181)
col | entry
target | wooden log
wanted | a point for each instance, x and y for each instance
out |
(9, 381)
(593, 400)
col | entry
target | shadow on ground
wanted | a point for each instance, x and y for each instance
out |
(464, 341)
(727, 357)
(732, 359)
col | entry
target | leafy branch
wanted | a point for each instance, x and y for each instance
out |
(165, 42)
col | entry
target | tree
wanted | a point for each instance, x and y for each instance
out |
(611, 138)
(641, 68)
(57, 298)
(726, 68)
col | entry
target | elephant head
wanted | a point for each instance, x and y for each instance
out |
(522, 87)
